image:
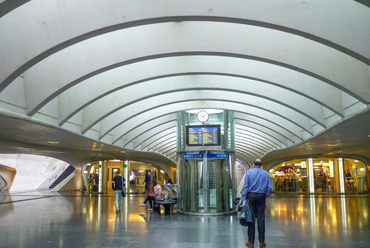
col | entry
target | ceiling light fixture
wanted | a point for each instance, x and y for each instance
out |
(209, 111)
(53, 142)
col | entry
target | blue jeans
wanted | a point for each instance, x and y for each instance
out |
(117, 194)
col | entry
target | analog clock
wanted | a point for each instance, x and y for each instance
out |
(203, 116)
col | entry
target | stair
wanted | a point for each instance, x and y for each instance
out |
(64, 175)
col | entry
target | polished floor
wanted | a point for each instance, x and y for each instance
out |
(77, 220)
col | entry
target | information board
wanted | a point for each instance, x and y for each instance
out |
(203, 135)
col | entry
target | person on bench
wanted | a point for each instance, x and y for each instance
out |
(150, 198)
(158, 193)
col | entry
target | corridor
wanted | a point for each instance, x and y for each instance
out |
(78, 220)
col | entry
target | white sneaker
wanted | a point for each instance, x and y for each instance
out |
(142, 204)
(149, 209)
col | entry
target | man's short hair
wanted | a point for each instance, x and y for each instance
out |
(257, 162)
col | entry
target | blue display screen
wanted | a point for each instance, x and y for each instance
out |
(205, 135)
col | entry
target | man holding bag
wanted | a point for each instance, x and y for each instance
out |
(118, 184)
(257, 187)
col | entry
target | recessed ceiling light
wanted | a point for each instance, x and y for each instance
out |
(53, 142)
(209, 111)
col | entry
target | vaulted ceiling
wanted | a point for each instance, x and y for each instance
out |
(118, 71)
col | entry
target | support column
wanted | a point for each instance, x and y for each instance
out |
(85, 179)
(105, 176)
(311, 181)
(126, 175)
(100, 190)
(341, 176)
(205, 183)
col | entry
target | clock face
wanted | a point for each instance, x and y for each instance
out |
(203, 116)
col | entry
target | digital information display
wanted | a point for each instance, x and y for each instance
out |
(206, 135)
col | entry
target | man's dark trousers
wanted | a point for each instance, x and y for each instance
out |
(258, 202)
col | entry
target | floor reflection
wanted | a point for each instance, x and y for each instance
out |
(333, 216)
(76, 220)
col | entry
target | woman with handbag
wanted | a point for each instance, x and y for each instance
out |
(118, 185)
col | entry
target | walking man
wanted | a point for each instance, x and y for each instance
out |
(257, 187)
(147, 182)
(118, 183)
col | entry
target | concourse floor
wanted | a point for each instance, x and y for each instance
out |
(78, 220)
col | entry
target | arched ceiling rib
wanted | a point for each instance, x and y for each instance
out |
(160, 104)
(98, 110)
(89, 57)
(154, 134)
(63, 16)
(138, 130)
(161, 142)
(121, 76)
(259, 139)
(166, 69)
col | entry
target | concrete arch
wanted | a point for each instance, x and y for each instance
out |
(249, 147)
(128, 125)
(265, 130)
(95, 24)
(172, 67)
(152, 135)
(251, 135)
(83, 63)
(247, 152)
(138, 130)
(259, 107)
(256, 142)
(265, 121)
(161, 141)
(167, 145)
(251, 89)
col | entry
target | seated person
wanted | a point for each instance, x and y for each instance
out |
(158, 193)
(149, 198)
(169, 189)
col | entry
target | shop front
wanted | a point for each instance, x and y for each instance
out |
(320, 175)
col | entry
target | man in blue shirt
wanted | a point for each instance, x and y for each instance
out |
(257, 187)
(147, 182)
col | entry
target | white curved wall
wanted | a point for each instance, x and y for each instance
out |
(33, 171)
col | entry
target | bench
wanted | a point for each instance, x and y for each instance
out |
(167, 204)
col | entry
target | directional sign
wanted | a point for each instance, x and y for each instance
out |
(190, 156)
(209, 155)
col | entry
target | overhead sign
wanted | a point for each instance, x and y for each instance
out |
(216, 155)
(201, 155)
(190, 156)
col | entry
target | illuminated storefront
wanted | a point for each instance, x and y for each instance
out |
(320, 175)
